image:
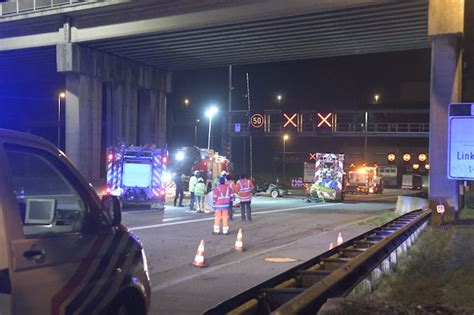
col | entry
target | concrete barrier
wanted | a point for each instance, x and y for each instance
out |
(407, 204)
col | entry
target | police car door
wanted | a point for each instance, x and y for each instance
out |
(58, 264)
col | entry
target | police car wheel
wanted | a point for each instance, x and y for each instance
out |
(274, 194)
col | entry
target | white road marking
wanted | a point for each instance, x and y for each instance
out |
(173, 219)
(145, 227)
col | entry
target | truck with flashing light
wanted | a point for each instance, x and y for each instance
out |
(364, 179)
(412, 182)
(134, 174)
(328, 183)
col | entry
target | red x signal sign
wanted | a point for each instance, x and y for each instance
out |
(290, 120)
(312, 156)
(324, 120)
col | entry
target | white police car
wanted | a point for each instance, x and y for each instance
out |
(62, 249)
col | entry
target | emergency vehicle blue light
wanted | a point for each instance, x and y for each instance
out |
(180, 156)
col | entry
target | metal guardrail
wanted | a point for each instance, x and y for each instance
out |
(26, 6)
(305, 288)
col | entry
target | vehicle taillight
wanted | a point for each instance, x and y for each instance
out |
(111, 156)
(165, 159)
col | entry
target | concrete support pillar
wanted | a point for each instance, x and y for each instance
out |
(83, 123)
(158, 99)
(130, 113)
(146, 132)
(108, 119)
(445, 89)
(446, 24)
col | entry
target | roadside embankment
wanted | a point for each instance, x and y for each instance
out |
(435, 277)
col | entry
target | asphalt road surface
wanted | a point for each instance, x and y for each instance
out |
(283, 227)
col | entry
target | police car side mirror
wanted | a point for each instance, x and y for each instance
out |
(112, 209)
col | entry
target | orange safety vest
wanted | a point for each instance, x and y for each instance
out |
(231, 184)
(221, 197)
(245, 190)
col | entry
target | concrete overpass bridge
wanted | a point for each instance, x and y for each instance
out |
(117, 56)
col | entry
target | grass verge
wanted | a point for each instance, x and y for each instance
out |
(438, 270)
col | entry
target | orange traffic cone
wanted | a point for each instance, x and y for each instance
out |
(239, 245)
(199, 259)
(340, 240)
(331, 245)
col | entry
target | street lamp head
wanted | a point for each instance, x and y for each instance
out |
(279, 97)
(62, 95)
(186, 101)
(211, 111)
(376, 98)
(286, 137)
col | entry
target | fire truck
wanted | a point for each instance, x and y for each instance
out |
(187, 160)
(134, 174)
(329, 177)
(365, 180)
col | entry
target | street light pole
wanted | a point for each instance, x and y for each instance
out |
(209, 135)
(209, 113)
(285, 137)
(196, 131)
(61, 95)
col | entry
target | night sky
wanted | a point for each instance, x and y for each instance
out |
(400, 78)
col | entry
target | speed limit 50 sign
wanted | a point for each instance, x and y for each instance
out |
(257, 120)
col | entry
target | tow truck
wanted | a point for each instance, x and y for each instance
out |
(134, 174)
(364, 180)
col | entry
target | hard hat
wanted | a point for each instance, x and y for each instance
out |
(223, 173)
(196, 172)
(200, 180)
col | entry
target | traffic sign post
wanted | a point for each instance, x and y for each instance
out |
(440, 209)
(461, 141)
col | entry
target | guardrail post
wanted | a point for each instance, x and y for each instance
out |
(393, 260)
(385, 265)
(376, 276)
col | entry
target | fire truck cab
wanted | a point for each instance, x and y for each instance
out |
(63, 249)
